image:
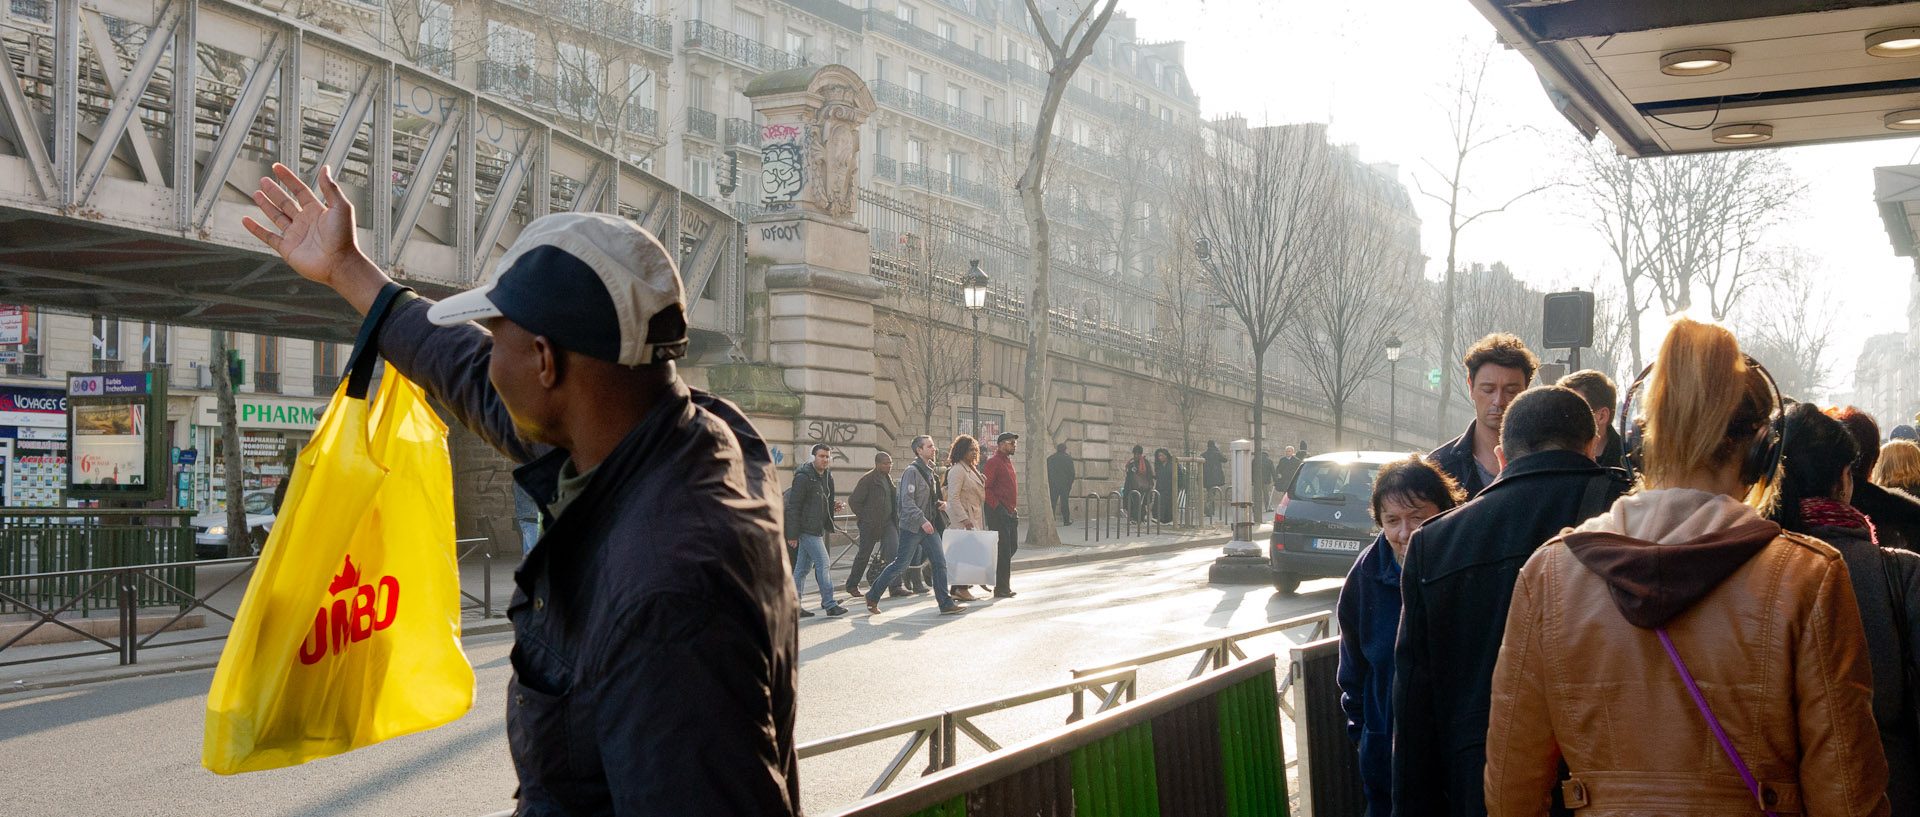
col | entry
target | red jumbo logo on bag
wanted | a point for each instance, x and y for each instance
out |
(347, 622)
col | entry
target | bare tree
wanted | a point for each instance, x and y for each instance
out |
(422, 32)
(1700, 219)
(927, 371)
(1471, 133)
(1258, 198)
(604, 82)
(1371, 253)
(1491, 300)
(234, 465)
(1078, 27)
(1611, 183)
(1184, 326)
(1790, 329)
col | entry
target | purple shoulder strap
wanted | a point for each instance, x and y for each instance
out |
(1713, 723)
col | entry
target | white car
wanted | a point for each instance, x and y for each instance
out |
(210, 529)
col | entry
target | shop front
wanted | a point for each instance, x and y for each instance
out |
(271, 434)
(33, 446)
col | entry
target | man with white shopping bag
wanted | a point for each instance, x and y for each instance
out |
(655, 626)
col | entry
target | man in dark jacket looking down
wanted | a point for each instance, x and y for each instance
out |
(1456, 585)
(655, 643)
(1498, 368)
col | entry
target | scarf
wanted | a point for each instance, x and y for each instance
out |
(1832, 513)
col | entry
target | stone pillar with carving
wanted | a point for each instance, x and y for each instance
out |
(820, 288)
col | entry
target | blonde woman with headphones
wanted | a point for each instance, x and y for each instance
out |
(1680, 653)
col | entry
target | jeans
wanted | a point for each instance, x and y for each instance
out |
(914, 542)
(888, 540)
(813, 553)
(1063, 504)
(1006, 523)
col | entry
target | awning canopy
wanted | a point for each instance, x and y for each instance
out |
(1798, 69)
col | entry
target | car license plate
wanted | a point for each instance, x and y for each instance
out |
(1346, 545)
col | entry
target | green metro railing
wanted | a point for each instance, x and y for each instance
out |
(1210, 746)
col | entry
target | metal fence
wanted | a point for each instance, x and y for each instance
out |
(54, 543)
(128, 590)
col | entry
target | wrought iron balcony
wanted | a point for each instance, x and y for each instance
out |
(643, 121)
(1032, 77)
(939, 113)
(30, 365)
(613, 20)
(266, 382)
(885, 168)
(743, 133)
(106, 364)
(436, 59)
(324, 384)
(926, 41)
(516, 80)
(704, 36)
(703, 124)
(41, 10)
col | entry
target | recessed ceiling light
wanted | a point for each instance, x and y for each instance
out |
(1903, 120)
(1895, 42)
(1696, 62)
(1748, 134)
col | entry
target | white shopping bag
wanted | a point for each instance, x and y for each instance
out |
(969, 555)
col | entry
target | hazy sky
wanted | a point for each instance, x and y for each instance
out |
(1374, 71)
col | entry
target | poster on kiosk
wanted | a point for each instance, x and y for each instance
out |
(116, 434)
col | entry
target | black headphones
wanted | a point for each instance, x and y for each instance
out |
(1763, 456)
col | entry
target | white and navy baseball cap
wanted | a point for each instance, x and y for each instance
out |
(592, 283)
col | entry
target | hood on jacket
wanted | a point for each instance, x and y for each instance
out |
(1661, 552)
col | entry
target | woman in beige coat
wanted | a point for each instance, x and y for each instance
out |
(966, 494)
(1764, 621)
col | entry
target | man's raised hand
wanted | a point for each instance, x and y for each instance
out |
(315, 234)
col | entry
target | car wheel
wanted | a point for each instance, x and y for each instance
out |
(1286, 583)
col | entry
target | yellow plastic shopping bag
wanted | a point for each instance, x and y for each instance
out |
(350, 630)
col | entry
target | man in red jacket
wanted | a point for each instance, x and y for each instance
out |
(1003, 517)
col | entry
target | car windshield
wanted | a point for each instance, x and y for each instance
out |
(1331, 479)
(258, 503)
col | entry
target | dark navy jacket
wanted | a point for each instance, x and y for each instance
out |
(655, 629)
(1369, 622)
(1456, 458)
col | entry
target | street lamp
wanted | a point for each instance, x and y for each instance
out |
(974, 289)
(1393, 390)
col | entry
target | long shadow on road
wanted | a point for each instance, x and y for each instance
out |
(20, 717)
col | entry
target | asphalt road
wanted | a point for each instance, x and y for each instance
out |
(133, 746)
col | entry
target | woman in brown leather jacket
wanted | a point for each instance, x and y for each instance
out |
(1765, 621)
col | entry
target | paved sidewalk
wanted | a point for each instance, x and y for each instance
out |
(58, 665)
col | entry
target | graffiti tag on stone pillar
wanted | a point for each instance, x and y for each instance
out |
(782, 164)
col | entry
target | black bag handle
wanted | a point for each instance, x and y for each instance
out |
(365, 351)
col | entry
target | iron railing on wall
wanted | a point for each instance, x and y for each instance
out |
(60, 540)
(727, 45)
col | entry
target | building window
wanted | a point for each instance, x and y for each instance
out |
(957, 165)
(980, 45)
(880, 68)
(700, 177)
(156, 341)
(29, 364)
(509, 45)
(326, 367)
(907, 13)
(986, 108)
(945, 30)
(106, 338)
(799, 43)
(880, 142)
(957, 97)
(747, 25)
(1019, 110)
(697, 10)
(1166, 114)
(916, 151)
(266, 354)
(916, 81)
(697, 91)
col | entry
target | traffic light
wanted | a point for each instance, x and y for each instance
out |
(1567, 319)
(236, 368)
(730, 177)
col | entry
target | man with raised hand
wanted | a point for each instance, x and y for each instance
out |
(655, 642)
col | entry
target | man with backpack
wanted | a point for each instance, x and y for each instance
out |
(920, 507)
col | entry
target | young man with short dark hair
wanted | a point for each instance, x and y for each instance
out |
(809, 522)
(1499, 367)
(1603, 398)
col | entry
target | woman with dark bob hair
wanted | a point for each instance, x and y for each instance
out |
(1815, 499)
(1680, 654)
(1406, 494)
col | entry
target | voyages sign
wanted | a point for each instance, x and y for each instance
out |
(40, 408)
